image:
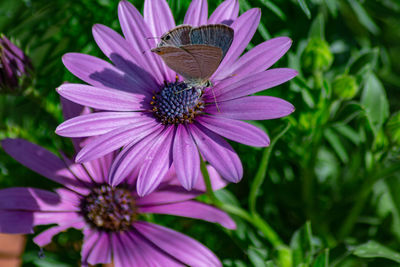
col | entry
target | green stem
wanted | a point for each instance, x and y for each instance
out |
(262, 170)
(253, 219)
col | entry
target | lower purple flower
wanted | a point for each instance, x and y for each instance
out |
(110, 217)
(144, 109)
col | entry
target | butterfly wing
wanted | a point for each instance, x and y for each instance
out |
(180, 61)
(178, 36)
(193, 62)
(218, 35)
(207, 58)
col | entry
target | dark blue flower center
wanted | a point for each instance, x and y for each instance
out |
(110, 209)
(177, 103)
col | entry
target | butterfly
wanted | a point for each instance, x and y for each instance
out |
(195, 52)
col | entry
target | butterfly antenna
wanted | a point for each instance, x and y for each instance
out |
(215, 100)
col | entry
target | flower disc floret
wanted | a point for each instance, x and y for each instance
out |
(177, 103)
(108, 208)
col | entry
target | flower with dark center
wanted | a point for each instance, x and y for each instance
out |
(156, 120)
(110, 217)
(15, 67)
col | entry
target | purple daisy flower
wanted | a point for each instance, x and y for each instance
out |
(139, 109)
(108, 216)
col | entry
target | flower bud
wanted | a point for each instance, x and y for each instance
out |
(15, 67)
(345, 86)
(317, 56)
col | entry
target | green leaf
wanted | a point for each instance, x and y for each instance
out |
(257, 256)
(322, 260)
(317, 29)
(336, 144)
(363, 62)
(274, 8)
(375, 102)
(348, 132)
(301, 245)
(363, 17)
(304, 7)
(373, 249)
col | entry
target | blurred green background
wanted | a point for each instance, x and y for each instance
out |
(327, 192)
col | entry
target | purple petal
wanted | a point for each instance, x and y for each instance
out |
(60, 218)
(90, 238)
(101, 251)
(44, 238)
(158, 16)
(32, 199)
(235, 130)
(118, 50)
(186, 158)
(124, 253)
(218, 153)
(103, 99)
(197, 13)
(131, 157)
(114, 140)
(261, 57)
(244, 27)
(193, 209)
(16, 222)
(100, 73)
(156, 163)
(99, 168)
(149, 254)
(225, 13)
(139, 37)
(252, 108)
(182, 247)
(97, 123)
(72, 110)
(251, 84)
(41, 161)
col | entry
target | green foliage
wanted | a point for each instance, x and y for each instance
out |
(325, 193)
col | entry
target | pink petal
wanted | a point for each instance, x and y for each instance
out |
(156, 163)
(114, 140)
(192, 209)
(236, 130)
(180, 246)
(252, 108)
(41, 161)
(250, 84)
(197, 13)
(244, 27)
(100, 73)
(100, 98)
(261, 57)
(140, 38)
(218, 153)
(225, 13)
(90, 238)
(118, 50)
(97, 123)
(186, 158)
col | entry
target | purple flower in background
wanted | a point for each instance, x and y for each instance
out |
(15, 67)
(110, 217)
(138, 107)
